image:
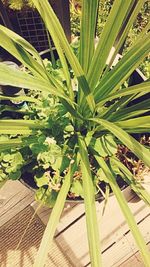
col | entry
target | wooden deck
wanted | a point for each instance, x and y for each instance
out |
(70, 247)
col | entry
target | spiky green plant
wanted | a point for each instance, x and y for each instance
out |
(99, 106)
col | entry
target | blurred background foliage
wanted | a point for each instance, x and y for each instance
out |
(18, 4)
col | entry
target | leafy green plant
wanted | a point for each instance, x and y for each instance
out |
(10, 164)
(74, 137)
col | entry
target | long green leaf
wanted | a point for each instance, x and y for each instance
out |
(34, 124)
(140, 151)
(20, 98)
(7, 144)
(133, 111)
(24, 127)
(62, 45)
(15, 130)
(18, 78)
(141, 122)
(120, 107)
(14, 47)
(22, 42)
(43, 10)
(113, 25)
(140, 130)
(134, 10)
(126, 211)
(90, 208)
(53, 221)
(87, 36)
(114, 78)
(143, 87)
(118, 104)
(26, 54)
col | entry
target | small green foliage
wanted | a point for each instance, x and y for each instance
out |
(46, 196)
(47, 154)
(51, 158)
(57, 72)
(10, 165)
(101, 176)
(105, 145)
(77, 188)
(42, 180)
(15, 175)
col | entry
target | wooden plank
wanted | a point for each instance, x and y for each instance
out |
(15, 200)
(14, 197)
(24, 255)
(71, 231)
(125, 252)
(134, 260)
(117, 250)
(112, 226)
(71, 213)
(125, 247)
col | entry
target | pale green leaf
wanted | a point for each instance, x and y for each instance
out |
(119, 74)
(131, 17)
(132, 90)
(18, 78)
(14, 47)
(88, 26)
(109, 34)
(136, 123)
(90, 208)
(126, 211)
(62, 46)
(132, 111)
(53, 221)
